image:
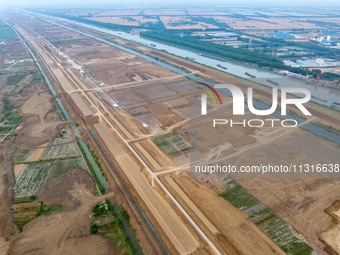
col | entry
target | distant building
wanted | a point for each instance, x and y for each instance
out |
(324, 40)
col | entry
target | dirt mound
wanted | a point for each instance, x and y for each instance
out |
(67, 232)
(6, 193)
(57, 190)
(83, 246)
(94, 244)
(40, 119)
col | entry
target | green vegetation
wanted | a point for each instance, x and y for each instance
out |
(224, 52)
(261, 214)
(318, 50)
(125, 214)
(10, 117)
(88, 52)
(108, 221)
(171, 143)
(62, 114)
(239, 197)
(328, 128)
(94, 229)
(48, 160)
(281, 233)
(68, 41)
(84, 19)
(15, 79)
(296, 115)
(6, 32)
(91, 168)
(37, 79)
(48, 209)
(35, 175)
(24, 199)
(277, 229)
(26, 211)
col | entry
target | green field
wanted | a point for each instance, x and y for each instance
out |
(239, 197)
(107, 222)
(6, 32)
(10, 117)
(274, 227)
(68, 41)
(24, 212)
(88, 52)
(15, 79)
(171, 143)
(35, 175)
(282, 234)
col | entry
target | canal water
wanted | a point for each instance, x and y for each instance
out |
(309, 127)
(321, 94)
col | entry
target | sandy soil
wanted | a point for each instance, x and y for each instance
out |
(238, 232)
(6, 225)
(80, 102)
(324, 115)
(294, 197)
(66, 232)
(156, 159)
(166, 217)
(166, 115)
(40, 120)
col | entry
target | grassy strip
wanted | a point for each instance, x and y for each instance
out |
(114, 229)
(59, 110)
(46, 160)
(6, 32)
(295, 115)
(67, 41)
(93, 172)
(11, 117)
(88, 52)
(30, 210)
(328, 128)
(48, 209)
(15, 79)
(19, 200)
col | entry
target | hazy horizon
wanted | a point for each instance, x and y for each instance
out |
(158, 3)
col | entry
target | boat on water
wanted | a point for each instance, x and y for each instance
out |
(273, 82)
(250, 75)
(223, 67)
(335, 106)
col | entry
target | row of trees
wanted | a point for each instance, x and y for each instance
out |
(224, 52)
(149, 25)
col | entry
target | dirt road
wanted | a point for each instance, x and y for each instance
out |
(171, 224)
(66, 232)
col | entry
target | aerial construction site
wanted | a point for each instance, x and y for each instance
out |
(136, 112)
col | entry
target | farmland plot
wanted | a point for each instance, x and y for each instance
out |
(36, 174)
(61, 148)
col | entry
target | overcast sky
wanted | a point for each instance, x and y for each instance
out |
(151, 3)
